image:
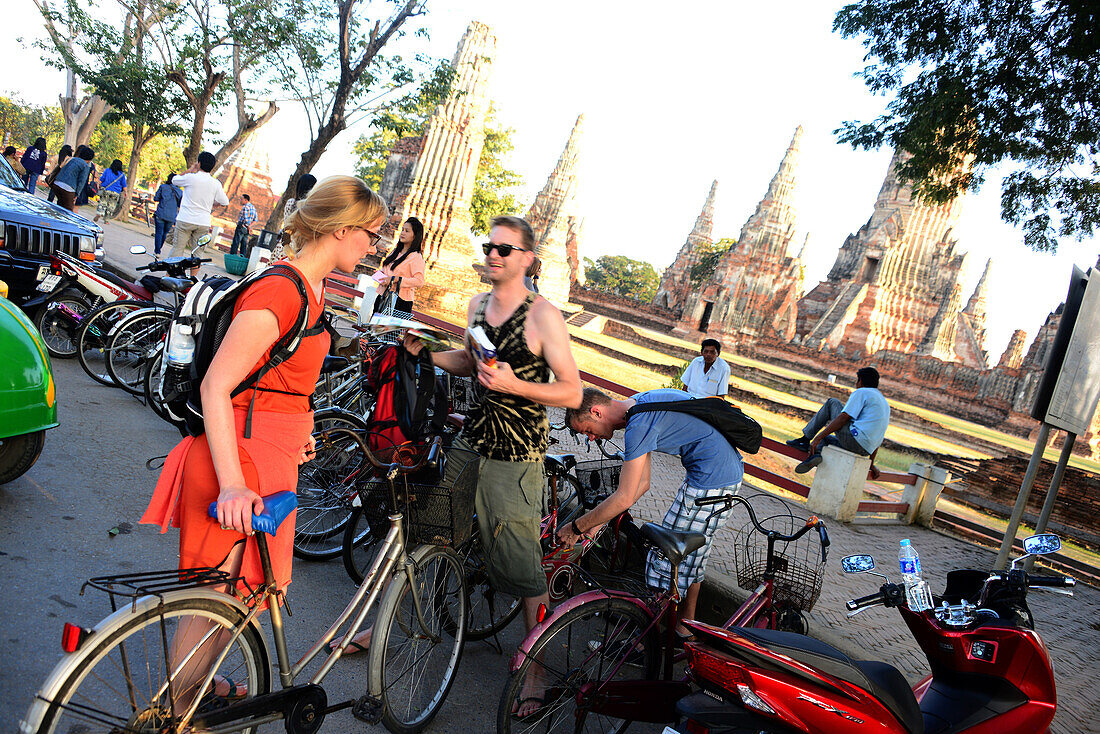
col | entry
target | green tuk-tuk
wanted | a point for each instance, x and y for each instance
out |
(28, 400)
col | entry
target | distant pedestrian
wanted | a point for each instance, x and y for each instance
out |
(34, 162)
(112, 187)
(402, 272)
(90, 189)
(301, 191)
(244, 225)
(531, 280)
(168, 198)
(13, 161)
(72, 177)
(63, 154)
(708, 374)
(201, 192)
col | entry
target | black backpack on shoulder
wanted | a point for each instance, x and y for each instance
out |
(742, 432)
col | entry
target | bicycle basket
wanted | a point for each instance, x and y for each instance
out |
(799, 568)
(599, 479)
(443, 514)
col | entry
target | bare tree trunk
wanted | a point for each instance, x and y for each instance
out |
(306, 163)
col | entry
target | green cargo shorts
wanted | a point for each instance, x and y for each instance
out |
(509, 513)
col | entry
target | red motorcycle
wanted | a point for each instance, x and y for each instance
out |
(991, 673)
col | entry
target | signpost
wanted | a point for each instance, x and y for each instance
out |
(1067, 396)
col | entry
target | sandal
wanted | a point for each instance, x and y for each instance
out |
(211, 701)
(547, 699)
(353, 648)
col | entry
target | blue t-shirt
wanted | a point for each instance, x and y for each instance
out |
(111, 181)
(707, 456)
(870, 415)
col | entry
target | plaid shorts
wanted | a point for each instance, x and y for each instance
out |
(684, 516)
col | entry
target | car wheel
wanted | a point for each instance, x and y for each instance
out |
(18, 454)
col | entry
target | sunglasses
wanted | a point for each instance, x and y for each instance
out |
(374, 236)
(502, 250)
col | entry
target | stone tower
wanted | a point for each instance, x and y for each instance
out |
(970, 334)
(432, 178)
(1013, 355)
(553, 216)
(248, 171)
(755, 288)
(676, 280)
(890, 280)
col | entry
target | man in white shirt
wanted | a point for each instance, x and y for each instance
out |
(709, 374)
(201, 192)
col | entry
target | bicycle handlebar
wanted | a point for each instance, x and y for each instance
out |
(812, 522)
(394, 468)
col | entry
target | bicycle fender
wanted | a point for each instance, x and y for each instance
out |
(572, 603)
(107, 626)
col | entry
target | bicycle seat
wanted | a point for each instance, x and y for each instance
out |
(277, 507)
(334, 364)
(673, 543)
(560, 463)
(175, 285)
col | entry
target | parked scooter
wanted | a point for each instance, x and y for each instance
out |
(75, 288)
(991, 673)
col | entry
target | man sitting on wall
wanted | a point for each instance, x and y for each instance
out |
(858, 425)
(708, 374)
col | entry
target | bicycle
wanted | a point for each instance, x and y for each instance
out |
(600, 659)
(123, 675)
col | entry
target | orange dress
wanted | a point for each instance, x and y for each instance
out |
(281, 425)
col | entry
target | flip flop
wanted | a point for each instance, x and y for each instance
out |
(548, 698)
(353, 648)
(211, 701)
(233, 688)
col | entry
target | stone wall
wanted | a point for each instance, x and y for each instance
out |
(646, 315)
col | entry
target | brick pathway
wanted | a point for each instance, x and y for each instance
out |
(1070, 626)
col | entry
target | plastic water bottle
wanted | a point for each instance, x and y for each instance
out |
(917, 594)
(181, 346)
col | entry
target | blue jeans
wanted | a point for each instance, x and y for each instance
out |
(240, 240)
(161, 228)
(32, 182)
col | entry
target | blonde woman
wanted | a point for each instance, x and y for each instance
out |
(331, 230)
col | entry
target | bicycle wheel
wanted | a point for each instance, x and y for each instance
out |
(120, 681)
(132, 343)
(326, 488)
(151, 384)
(490, 610)
(59, 320)
(584, 646)
(93, 334)
(362, 538)
(409, 672)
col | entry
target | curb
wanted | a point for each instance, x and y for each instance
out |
(720, 596)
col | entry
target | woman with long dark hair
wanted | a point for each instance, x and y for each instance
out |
(403, 269)
(64, 154)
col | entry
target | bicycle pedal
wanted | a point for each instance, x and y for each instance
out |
(368, 709)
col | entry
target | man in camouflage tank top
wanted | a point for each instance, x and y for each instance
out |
(508, 427)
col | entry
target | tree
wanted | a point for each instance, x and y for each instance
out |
(622, 276)
(360, 82)
(494, 184)
(21, 123)
(161, 156)
(984, 82)
(707, 260)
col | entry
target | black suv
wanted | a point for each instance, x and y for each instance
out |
(31, 230)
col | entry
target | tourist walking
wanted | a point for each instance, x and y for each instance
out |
(708, 374)
(244, 223)
(508, 427)
(34, 163)
(201, 192)
(13, 161)
(112, 187)
(91, 188)
(168, 197)
(64, 153)
(858, 425)
(237, 467)
(73, 177)
(402, 272)
(531, 280)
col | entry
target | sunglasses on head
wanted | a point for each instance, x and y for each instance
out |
(502, 250)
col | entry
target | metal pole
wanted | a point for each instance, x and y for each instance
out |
(1021, 499)
(1052, 493)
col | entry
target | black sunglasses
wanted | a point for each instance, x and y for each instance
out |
(502, 250)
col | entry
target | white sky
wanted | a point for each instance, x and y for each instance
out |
(671, 102)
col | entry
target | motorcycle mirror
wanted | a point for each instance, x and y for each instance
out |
(202, 242)
(1042, 544)
(857, 564)
(138, 250)
(99, 252)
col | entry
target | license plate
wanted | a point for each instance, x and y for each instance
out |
(43, 271)
(49, 283)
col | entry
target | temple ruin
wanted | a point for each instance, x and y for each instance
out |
(676, 282)
(755, 287)
(557, 225)
(248, 171)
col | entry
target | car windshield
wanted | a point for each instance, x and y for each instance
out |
(8, 177)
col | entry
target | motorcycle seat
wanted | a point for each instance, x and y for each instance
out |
(560, 463)
(136, 288)
(673, 543)
(175, 285)
(879, 679)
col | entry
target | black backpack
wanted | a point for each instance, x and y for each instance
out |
(411, 403)
(742, 432)
(208, 311)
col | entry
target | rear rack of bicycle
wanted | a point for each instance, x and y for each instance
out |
(134, 586)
